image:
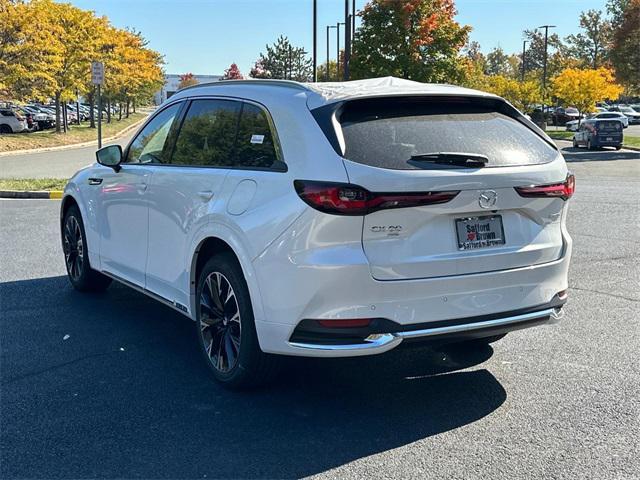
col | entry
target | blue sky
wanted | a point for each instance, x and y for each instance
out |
(205, 36)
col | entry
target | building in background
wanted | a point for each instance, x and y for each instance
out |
(171, 82)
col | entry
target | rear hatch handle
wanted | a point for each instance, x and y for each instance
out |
(456, 159)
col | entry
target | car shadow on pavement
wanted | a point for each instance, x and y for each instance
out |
(111, 385)
(572, 154)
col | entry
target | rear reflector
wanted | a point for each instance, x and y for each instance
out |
(345, 323)
(349, 199)
(560, 190)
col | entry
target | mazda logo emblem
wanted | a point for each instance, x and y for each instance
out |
(488, 199)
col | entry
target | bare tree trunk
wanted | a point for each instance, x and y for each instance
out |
(128, 103)
(108, 110)
(65, 120)
(134, 105)
(58, 129)
(119, 111)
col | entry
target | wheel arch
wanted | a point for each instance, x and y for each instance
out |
(218, 242)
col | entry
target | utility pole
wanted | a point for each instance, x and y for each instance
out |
(524, 46)
(315, 41)
(347, 39)
(338, 49)
(326, 73)
(544, 64)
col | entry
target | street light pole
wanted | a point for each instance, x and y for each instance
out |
(315, 41)
(353, 20)
(347, 39)
(524, 46)
(326, 73)
(338, 49)
(544, 64)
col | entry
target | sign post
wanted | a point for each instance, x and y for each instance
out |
(97, 78)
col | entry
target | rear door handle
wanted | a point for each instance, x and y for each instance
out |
(95, 181)
(205, 195)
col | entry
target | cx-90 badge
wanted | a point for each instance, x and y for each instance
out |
(488, 199)
(390, 230)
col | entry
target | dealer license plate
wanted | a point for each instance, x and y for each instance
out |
(479, 232)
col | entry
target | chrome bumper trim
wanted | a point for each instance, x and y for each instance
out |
(468, 327)
(379, 343)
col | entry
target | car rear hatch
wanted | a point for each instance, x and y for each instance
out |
(477, 151)
(609, 130)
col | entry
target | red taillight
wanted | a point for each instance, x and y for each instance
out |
(345, 323)
(561, 190)
(348, 199)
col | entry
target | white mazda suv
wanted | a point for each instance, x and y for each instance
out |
(328, 220)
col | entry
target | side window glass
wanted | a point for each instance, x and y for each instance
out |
(207, 134)
(254, 145)
(149, 145)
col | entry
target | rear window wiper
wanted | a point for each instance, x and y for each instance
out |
(458, 159)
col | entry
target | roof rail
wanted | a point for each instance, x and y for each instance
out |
(263, 81)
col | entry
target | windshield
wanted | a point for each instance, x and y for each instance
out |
(391, 134)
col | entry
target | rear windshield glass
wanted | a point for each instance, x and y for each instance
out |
(391, 134)
(609, 125)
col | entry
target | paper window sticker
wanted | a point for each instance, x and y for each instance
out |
(259, 139)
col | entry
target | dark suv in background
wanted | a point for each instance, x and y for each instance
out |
(595, 133)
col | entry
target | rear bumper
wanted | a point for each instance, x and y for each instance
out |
(302, 277)
(612, 143)
(466, 329)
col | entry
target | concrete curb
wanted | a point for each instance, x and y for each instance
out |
(51, 195)
(74, 145)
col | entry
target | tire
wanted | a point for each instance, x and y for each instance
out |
(5, 129)
(74, 241)
(575, 144)
(227, 333)
(618, 147)
(589, 146)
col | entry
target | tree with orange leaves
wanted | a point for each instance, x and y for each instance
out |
(413, 39)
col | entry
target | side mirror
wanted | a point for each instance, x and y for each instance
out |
(110, 156)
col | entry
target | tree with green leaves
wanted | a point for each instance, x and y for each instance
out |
(591, 46)
(616, 9)
(497, 63)
(625, 49)
(282, 60)
(413, 39)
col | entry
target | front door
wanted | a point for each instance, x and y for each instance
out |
(123, 202)
(185, 193)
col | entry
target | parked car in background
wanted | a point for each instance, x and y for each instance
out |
(630, 113)
(563, 115)
(596, 133)
(572, 126)
(328, 221)
(43, 119)
(28, 116)
(11, 121)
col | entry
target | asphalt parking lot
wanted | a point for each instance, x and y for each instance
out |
(111, 386)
